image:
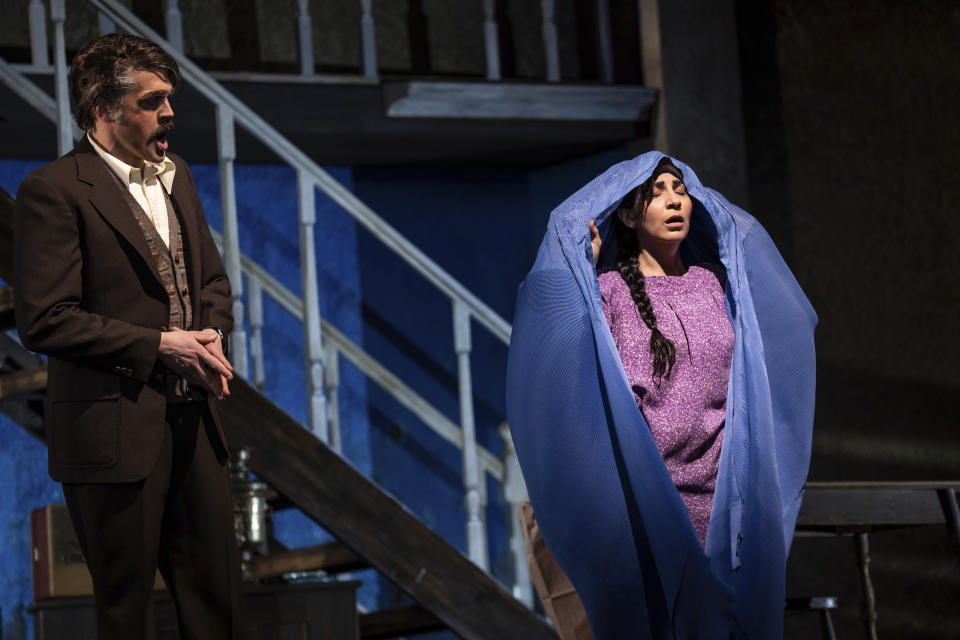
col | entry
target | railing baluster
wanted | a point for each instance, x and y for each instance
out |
(550, 44)
(515, 492)
(605, 40)
(105, 24)
(369, 39)
(64, 129)
(312, 341)
(331, 382)
(491, 40)
(476, 535)
(174, 25)
(255, 311)
(226, 154)
(37, 16)
(305, 37)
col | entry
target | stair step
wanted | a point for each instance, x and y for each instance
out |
(332, 557)
(402, 621)
(18, 382)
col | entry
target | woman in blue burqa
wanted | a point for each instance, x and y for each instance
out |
(655, 548)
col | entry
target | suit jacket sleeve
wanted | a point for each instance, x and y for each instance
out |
(48, 290)
(215, 295)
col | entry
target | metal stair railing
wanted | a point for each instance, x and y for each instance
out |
(323, 343)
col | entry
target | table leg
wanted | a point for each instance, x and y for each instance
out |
(869, 599)
(951, 513)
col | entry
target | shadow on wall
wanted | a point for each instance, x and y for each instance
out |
(869, 426)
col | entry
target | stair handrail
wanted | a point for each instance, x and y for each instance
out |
(343, 345)
(310, 176)
(287, 151)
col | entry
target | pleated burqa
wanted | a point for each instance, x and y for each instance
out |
(606, 505)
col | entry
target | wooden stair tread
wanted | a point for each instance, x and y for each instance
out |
(401, 621)
(25, 381)
(374, 525)
(332, 557)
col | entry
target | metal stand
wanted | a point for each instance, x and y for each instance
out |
(869, 599)
(822, 604)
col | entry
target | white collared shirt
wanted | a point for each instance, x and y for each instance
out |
(144, 186)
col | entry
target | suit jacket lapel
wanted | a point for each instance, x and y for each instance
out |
(180, 199)
(106, 196)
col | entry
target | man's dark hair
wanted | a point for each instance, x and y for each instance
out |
(99, 73)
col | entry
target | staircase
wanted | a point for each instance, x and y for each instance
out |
(373, 529)
(304, 466)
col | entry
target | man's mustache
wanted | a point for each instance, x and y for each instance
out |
(161, 131)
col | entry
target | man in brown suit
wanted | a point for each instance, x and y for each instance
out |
(118, 281)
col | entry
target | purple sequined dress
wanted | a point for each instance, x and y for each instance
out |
(686, 411)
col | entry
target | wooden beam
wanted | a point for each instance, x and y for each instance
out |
(332, 557)
(394, 623)
(374, 525)
(23, 382)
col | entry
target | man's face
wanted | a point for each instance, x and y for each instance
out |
(140, 133)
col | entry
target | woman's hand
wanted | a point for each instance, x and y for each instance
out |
(595, 241)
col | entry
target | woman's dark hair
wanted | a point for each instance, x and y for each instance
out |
(99, 73)
(663, 350)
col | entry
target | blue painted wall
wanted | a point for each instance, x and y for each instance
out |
(484, 227)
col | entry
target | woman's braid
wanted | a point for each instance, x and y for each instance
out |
(663, 350)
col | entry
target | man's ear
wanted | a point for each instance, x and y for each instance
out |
(102, 113)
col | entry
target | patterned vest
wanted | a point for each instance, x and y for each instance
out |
(170, 261)
(172, 266)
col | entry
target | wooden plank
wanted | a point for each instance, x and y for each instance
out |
(374, 525)
(332, 557)
(394, 623)
(501, 101)
(22, 382)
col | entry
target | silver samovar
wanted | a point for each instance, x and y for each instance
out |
(252, 518)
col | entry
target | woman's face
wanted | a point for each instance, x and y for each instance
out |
(666, 217)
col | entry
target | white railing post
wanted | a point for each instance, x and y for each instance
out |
(515, 492)
(605, 40)
(174, 25)
(312, 341)
(369, 39)
(226, 154)
(305, 37)
(550, 43)
(105, 24)
(64, 129)
(476, 535)
(331, 383)
(491, 40)
(255, 311)
(37, 16)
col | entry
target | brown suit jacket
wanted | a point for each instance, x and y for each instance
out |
(88, 295)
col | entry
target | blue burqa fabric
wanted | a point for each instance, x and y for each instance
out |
(602, 496)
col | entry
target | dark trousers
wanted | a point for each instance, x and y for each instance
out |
(178, 519)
